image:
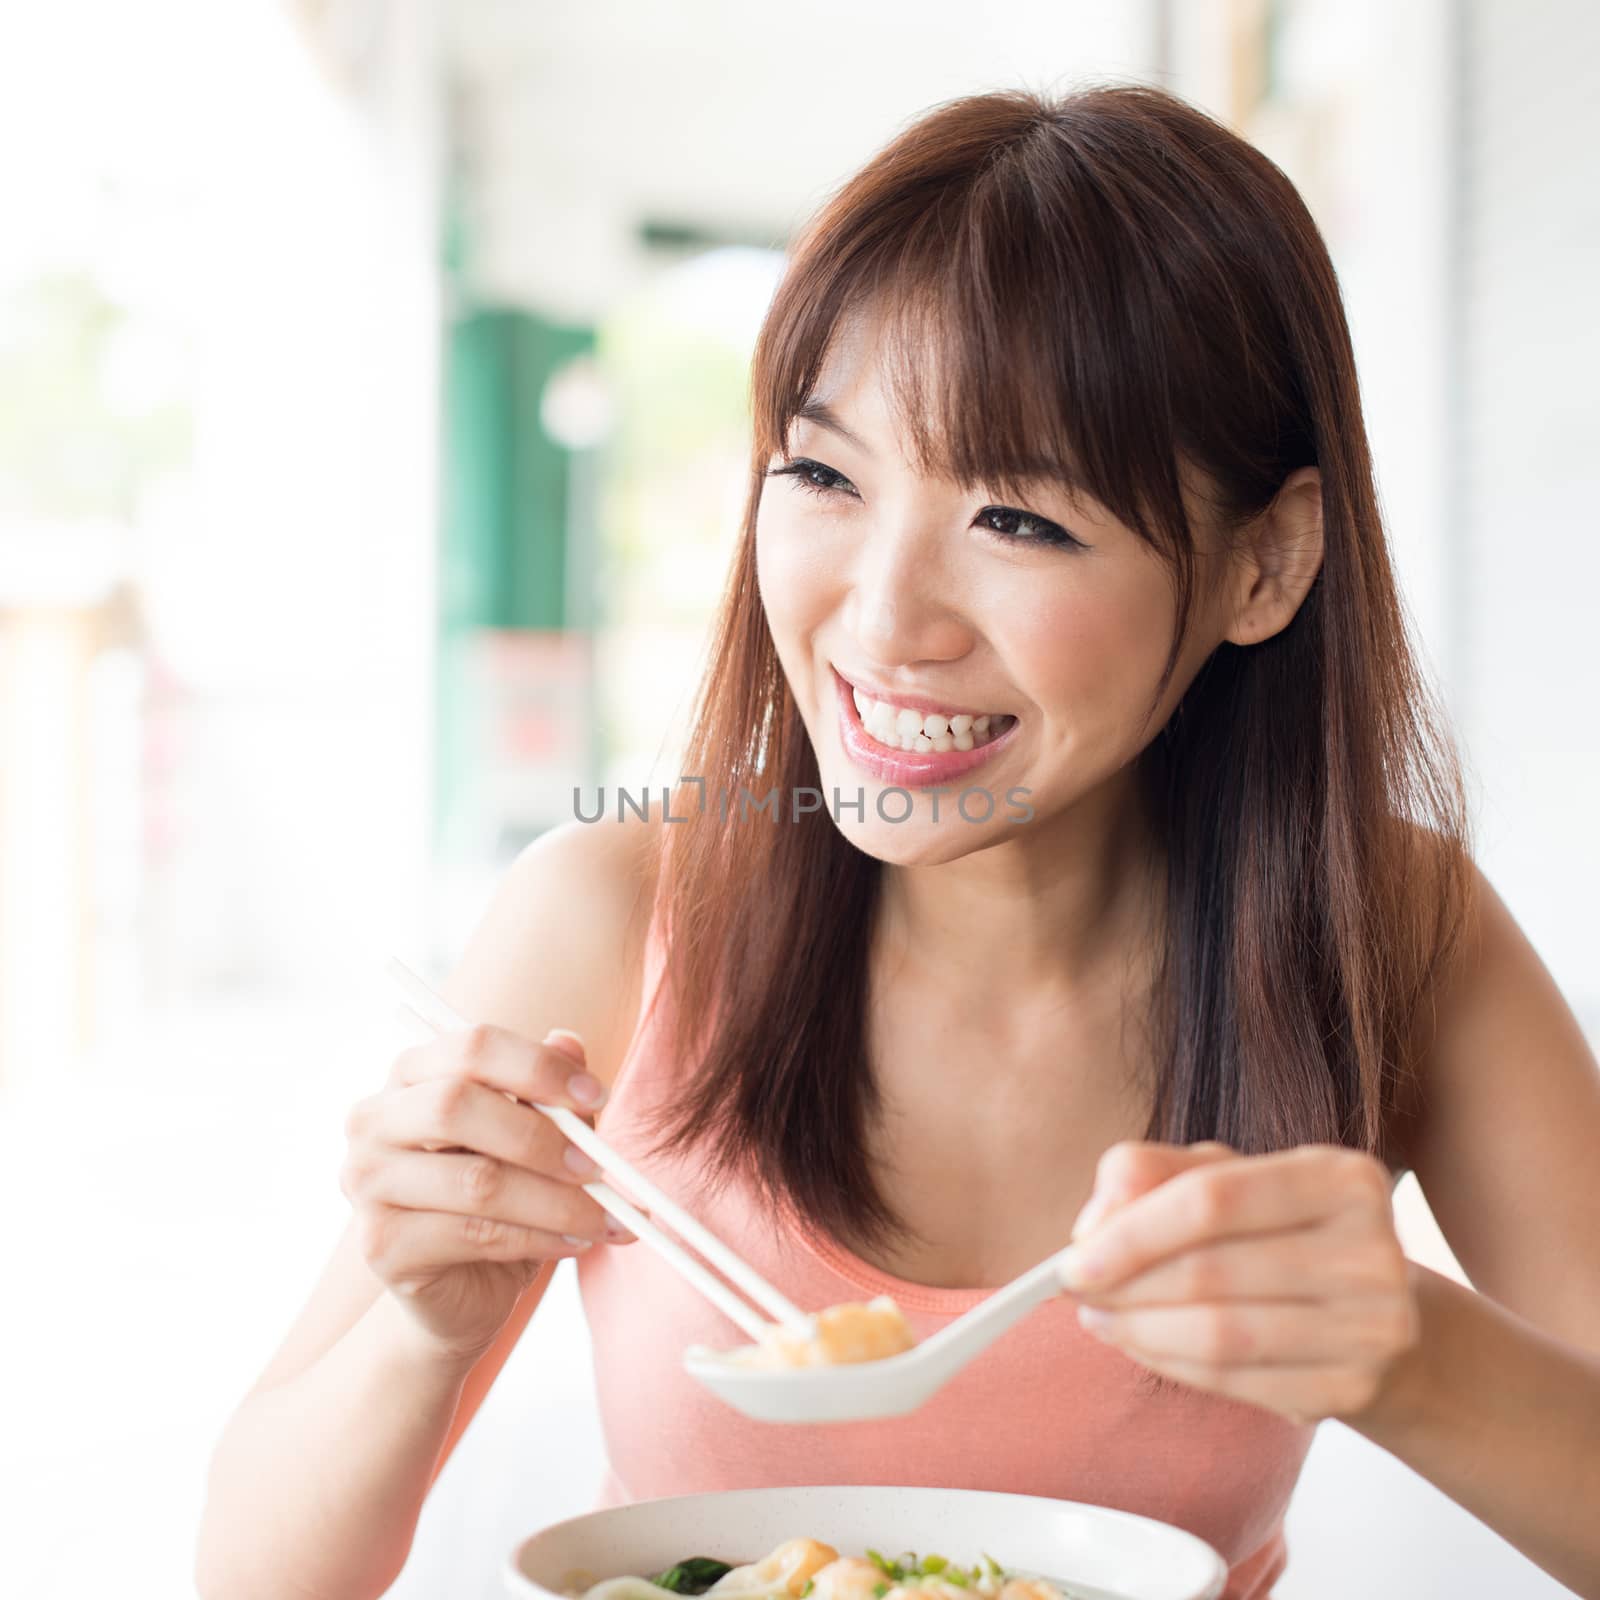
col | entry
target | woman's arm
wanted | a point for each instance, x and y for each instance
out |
(1505, 1420)
(1279, 1279)
(1498, 1403)
(318, 1482)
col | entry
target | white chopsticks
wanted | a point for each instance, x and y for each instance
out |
(433, 1011)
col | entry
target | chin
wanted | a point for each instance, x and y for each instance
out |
(917, 841)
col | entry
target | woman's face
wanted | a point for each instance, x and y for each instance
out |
(1046, 612)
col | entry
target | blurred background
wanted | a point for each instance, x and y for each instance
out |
(372, 441)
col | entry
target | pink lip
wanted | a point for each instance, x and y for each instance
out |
(902, 767)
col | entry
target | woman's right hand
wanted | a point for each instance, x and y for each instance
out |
(461, 1192)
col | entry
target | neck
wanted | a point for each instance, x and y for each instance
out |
(1039, 917)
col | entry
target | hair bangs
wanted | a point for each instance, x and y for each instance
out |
(1008, 346)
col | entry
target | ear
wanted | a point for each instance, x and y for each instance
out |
(1278, 557)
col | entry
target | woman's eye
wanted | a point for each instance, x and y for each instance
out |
(802, 471)
(818, 479)
(1043, 532)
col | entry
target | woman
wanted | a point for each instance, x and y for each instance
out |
(1068, 846)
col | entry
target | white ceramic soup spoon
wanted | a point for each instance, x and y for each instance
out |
(888, 1387)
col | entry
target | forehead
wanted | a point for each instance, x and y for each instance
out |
(856, 373)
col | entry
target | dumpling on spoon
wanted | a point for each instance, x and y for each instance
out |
(849, 1332)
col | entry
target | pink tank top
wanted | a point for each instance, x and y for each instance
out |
(1046, 1410)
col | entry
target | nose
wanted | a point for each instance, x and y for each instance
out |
(904, 598)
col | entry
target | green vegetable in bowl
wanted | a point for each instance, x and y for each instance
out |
(908, 1569)
(693, 1576)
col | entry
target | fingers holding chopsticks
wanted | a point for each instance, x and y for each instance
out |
(470, 1184)
(502, 1063)
(461, 1098)
(456, 1113)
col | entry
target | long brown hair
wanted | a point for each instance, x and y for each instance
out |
(1110, 279)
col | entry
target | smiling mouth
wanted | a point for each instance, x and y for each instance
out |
(919, 732)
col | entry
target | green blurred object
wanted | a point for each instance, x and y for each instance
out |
(503, 530)
(505, 480)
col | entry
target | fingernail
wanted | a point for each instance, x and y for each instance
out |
(586, 1088)
(567, 1042)
(576, 1242)
(1077, 1270)
(579, 1162)
(1094, 1208)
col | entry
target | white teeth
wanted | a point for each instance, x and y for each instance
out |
(901, 728)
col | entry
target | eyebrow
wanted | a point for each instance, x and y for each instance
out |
(819, 412)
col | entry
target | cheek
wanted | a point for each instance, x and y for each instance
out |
(792, 574)
(1091, 657)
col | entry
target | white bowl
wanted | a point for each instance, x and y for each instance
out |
(1102, 1554)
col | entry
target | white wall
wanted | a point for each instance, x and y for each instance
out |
(290, 573)
(1525, 490)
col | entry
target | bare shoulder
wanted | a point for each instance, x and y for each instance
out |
(562, 941)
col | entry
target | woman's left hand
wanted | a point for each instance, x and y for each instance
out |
(1276, 1279)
